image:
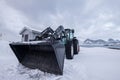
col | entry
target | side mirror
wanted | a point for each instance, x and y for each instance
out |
(73, 31)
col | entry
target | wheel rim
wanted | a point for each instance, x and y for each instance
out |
(72, 51)
(77, 48)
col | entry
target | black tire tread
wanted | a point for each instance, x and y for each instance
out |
(68, 49)
(75, 46)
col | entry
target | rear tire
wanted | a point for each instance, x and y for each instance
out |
(76, 46)
(69, 50)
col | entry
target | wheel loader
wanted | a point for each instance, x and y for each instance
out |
(48, 50)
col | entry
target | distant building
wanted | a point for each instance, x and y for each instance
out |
(28, 34)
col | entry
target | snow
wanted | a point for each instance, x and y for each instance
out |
(31, 42)
(101, 63)
(90, 64)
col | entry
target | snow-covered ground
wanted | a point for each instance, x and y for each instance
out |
(90, 64)
(101, 63)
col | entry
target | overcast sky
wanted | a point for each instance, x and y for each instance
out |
(94, 19)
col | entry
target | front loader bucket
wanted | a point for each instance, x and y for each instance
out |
(44, 56)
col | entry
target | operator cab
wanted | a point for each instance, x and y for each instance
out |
(69, 34)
